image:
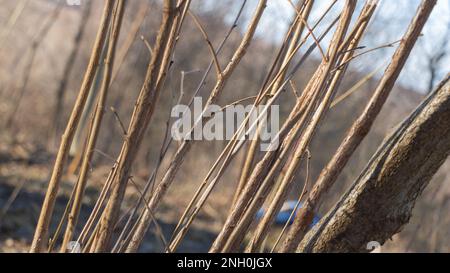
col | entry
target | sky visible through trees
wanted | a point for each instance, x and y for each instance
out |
(392, 20)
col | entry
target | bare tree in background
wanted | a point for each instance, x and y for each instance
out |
(436, 57)
(318, 49)
(381, 200)
(67, 71)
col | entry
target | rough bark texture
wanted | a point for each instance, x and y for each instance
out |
(360, 128)
(381, 200)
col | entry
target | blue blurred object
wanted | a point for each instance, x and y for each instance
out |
(285, 213)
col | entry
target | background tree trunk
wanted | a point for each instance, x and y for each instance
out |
(381, 200)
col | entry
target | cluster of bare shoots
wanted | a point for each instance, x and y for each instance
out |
(265, 178)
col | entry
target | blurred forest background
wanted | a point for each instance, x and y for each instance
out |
(45, 47)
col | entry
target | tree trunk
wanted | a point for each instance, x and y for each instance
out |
(381, 200)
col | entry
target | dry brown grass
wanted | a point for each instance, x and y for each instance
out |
(143, 180)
